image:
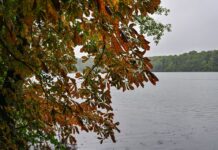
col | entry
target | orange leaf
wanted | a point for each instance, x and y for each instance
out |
(78, 75)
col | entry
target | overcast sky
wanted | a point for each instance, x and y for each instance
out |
(194, 27)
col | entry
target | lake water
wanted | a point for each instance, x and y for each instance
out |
(180, 113)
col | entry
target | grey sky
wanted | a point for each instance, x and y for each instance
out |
(194, 27)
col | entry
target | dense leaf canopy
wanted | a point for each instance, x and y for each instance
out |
(44, 100)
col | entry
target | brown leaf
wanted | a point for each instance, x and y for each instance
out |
(52, 12)
(44, 67)
(84, 59)
(78, 75)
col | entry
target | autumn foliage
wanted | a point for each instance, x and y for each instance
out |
(42, 94)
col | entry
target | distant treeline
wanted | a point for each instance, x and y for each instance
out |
(187, 62)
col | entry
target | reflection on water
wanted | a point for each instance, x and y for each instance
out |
(180, 113)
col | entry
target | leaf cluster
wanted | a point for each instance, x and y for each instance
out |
(44, 99)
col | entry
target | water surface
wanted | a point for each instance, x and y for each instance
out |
(180, 113)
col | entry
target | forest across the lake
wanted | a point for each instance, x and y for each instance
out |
(193, 61)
